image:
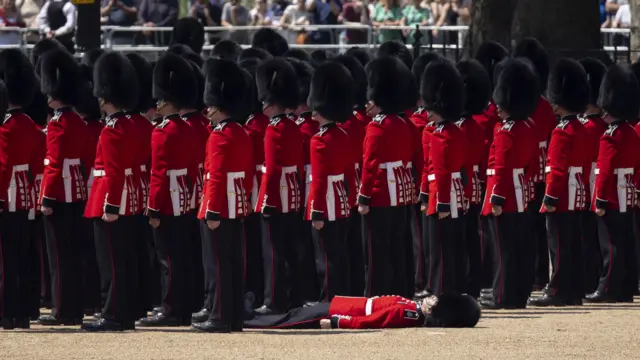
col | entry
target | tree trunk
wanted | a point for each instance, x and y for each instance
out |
(635, 28)
(491, 20)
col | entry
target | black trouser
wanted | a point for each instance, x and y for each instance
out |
(384, 250)
(420, 251)
(297, 318)
(563, 237)
(91, 293)
(474, 250)
(45, 277)
(537, 227)
(448, 272)
(616, 238)
(174, 255)
(637, 246)
(65, 242)
(148, 283)
(591, 253)
(356, 254)
(305, 287)
(332, 258)
(489, 254)
(15, 242)
(34, 277)
(223, 250)
(413, 236)
(118, 268)
(254, 281)
(196, 284)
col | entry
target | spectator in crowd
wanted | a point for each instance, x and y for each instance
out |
(119, 13)
(29, 10)
(260, 14)
(446, 12)
(158, 13)
(236, 14)
(295, 14)
(462, 10)
(278, 8)
(324, 12)
(387, 13)
(415, 14)
(611, 9)
(208, 13)
(355, 12)
(622, 20)
(57, 20)
(10, 17)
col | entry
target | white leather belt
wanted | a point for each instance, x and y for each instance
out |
(570, 170)
(259, 167)
(491, 172)
(23, 167)
(143, 168)
(454, 175)
(542, 144)
(476, 168)
(178, 172)
(99, 173)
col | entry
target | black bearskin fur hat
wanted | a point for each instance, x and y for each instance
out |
(319, 57)
(276, 80)
(190, 32)
(421, 63)
(187, 53)
(454, 311)
(298, 54)
(197, 71)
(226, 49)
(304, 72)
(362, 55)
(60, 76)
(4, 100)
(489, 54)
(568, 86)
(395, 48)
(18, 76)
(442, 90)
(254, 53)
(116, 82)
(332, 92)
(250, 65)
(144, 71)
(174, 81)
(595, 73)
(619, 93)
(477, 86)
(91, 57)
(269, 40)
(386, 84)
(531, 49)
(357, 74)
(517, 89)
(226, 87)
(42, 47)
(88, 105)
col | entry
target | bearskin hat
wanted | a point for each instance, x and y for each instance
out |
(87, 105)
(42, 47)
(250, 96)
(268, 39)
(619, 93)
(454, 311)
(568, 86)
(304, 72)
(187, 53)
(60, 76)
(197, 71)
(174, 81)
(421, 63)
(595, 70)
(190, 32)
(362, 55)
(489, 54)
(4, 99)
(442, 90)
(531, 49)
(226, 49)
(250, 65)
(254, 53)
(91, 57)
(477, 86)
(395, 48)
(357, 74)
(225, 87)
(517, 89)
(39, 110)
(276, 79)
(332, 92)
(145, 81)
(386, 85)
(18, 76)
(298, 54)
(319, 57)
(412, 91)
(115, 81)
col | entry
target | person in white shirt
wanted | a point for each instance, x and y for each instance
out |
(57, 20)
(623, 17)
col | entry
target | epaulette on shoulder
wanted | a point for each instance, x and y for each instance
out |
(460, 122)
(562, 124)
(507, 126)
(611, 130)
(322, 131)
(111, 122)
(379, 118)
(164, 123)
(583, 119)
(300, 120)
(220, 126)
(439, 128)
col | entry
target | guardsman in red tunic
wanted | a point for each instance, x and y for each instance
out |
(332, 189)
(442, 92)
(545, 121)
(226, 200)
(512, 162)
(281, 190)
(615, 193)
(113, 201)
(595, 126)
(566, 193)
(478, 94)
(387, 188)
(170, 186)
(355, 127)
(63, 192)
(19, 153)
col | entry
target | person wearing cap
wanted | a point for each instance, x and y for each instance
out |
(113, 201)
(64, 190)
(512, 163)
(566, 192)
(477, 86)
(386, 187)
(19, 147)
(614, 193)
(280, 197)
(443, 96)
(226, 199)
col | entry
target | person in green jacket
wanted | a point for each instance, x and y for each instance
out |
(387, 13)
(416, 14)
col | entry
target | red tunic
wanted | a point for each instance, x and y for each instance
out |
(256, 126)
(37, 164)
(415, 164)
(488, 121)
(618, 165)
(63, 179)
(474, 158)
(545, 121)
(356, 130)
(283, 167)
(374, 313)
(512, 162)
(114, 188)
(308, 128)
(144, 127)
(198, 123)
(332, 191)
(94, 129)
(361, 115)
(230, 173)
(568, 153)
(595, 127)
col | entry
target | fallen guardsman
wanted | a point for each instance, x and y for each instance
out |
(380, 312)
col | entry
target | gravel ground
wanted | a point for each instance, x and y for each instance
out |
(607, 331)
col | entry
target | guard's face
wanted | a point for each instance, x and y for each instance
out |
(372, 109)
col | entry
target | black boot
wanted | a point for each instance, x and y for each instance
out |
(200, 316)
(159, 319)
(212, 327)
(103, 325)
(599, 297)
(546, 300)
(50, 320)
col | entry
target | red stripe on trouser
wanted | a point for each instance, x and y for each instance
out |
(497, 232)
(218, 273)
(326, 268)
(169, 293)
(273, 267)
(55, 242)
(441, 258)
(557, 269)
(415, 219)
(370, 258)
(113, 269)
(607, 283)
(244, 244)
